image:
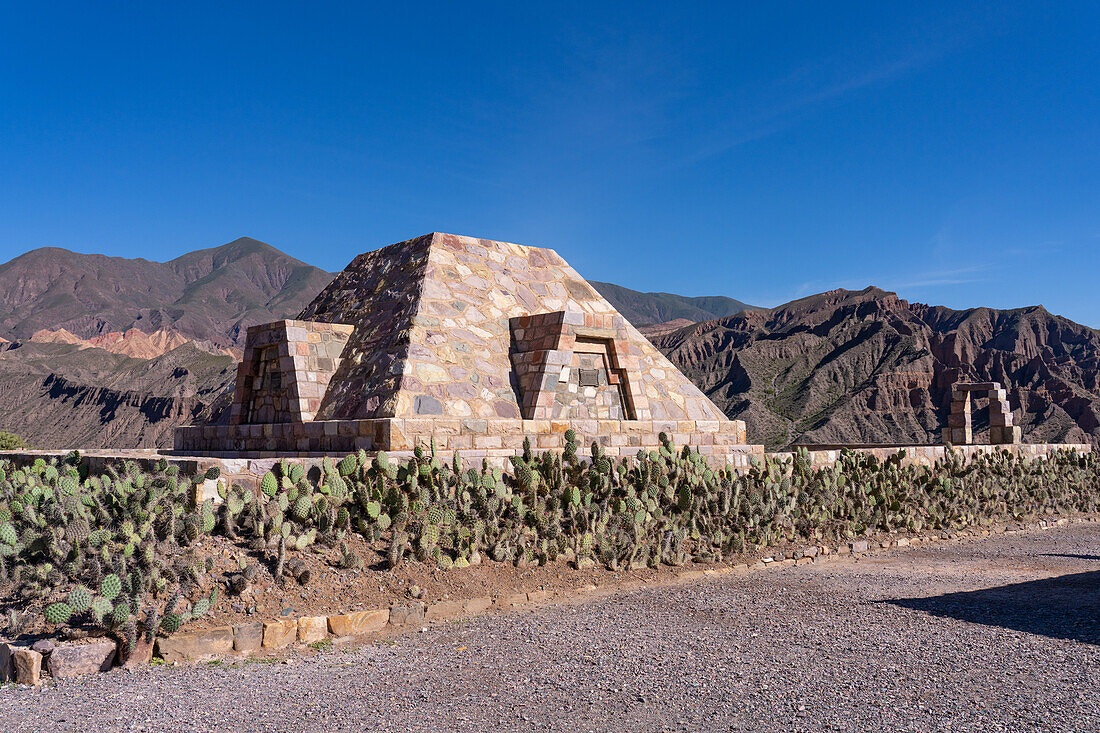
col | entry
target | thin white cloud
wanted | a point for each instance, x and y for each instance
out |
(783, 115)
(897, 282)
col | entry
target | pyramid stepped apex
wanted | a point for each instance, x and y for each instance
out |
(470, 343)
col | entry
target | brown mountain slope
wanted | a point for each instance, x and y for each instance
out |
(211, 295)
(644, 309)
(836, 367)
(61, 395)
(844, 366)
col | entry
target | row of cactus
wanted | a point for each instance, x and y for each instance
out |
(110, 551)
(663, 506)
(115, 550)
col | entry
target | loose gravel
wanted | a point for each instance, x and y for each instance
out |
(997, 634)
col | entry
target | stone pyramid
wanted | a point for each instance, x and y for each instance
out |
(467, 343)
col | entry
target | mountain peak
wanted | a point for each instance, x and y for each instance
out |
(645, 309)
(209, 294)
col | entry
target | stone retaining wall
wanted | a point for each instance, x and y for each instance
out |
(926, 455)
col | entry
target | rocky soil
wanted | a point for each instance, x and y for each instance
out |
(994, 634)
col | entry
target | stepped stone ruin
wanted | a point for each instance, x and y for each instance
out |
(959, 430)
(467, 344)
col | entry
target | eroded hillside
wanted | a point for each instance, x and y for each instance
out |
(845, 366)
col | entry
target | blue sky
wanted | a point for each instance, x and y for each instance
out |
(765, 151)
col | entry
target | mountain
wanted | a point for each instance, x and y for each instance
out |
(100, 351)
(646, 309)
(211, 295)
(866, 366)
(135, 343)
(110, 352)
(61, 395)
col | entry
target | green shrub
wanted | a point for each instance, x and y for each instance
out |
(11, 441)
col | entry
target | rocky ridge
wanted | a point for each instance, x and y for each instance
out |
(60, 395)
(133, 343)
(208, 295)
(868, 367)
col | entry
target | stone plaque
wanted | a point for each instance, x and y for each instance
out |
(589, 377)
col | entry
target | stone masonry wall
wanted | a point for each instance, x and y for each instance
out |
(433, 333)
(286, 370)
(469, 344)
(472, 437)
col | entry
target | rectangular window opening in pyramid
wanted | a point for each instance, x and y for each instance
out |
(468, 344)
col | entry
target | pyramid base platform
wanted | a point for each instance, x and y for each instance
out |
(724, 440)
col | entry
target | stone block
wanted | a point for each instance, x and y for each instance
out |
(139, 656)
(359, 622)
(441, 610)
(71, 660)
(279, 634)
(248, 638)
(195, 644)
(411, 614)
(859, 545)
(477, 606)
(26, 666)
(5, 662)
(208, 489)
(312, 628)
(960, 407)
(1005, 435)
(977, 386)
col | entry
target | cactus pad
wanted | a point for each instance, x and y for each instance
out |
(58, 613)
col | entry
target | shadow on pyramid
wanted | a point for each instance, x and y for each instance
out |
(467, 344)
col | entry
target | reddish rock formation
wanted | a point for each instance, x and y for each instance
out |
(133, 343)
(866, 366)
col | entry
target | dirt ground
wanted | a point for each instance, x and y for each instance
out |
(1000, 633)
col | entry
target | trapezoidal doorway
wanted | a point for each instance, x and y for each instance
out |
(574, 366)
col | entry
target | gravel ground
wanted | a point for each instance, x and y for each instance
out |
(985, 635)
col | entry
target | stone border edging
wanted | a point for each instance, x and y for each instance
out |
(21, 664)
(256, 636)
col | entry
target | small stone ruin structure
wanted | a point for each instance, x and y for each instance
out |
(959, 430)
(467, 344)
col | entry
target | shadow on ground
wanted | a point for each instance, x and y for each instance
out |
(1064, 607)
